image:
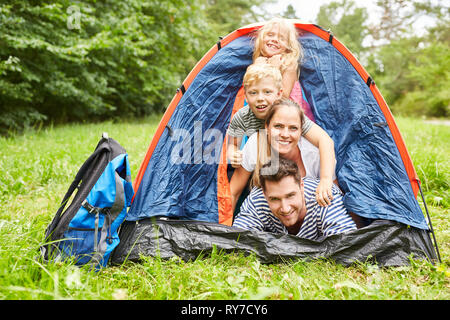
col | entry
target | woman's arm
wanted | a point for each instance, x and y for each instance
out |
(318, 137)
(237, 184)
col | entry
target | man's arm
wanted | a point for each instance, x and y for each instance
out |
(335, 218)
(248, 217)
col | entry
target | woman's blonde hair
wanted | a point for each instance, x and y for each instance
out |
(264, 149)
(294, 51)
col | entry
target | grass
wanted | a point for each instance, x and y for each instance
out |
(37, 167)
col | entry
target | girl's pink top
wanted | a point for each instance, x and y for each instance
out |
(297, 96)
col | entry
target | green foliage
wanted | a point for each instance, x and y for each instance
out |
(414, 76)
(290, 13)
(389, 65)
(410, 70)
(87, 60)
(225, 16)
(430, 81)
(84, 60)
(396, 20)
(346, 21)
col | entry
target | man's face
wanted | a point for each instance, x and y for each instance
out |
(286, 201)
(261, 95)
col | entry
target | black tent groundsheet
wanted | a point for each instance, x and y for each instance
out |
(386, 243)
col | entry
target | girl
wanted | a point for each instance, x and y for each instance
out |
(276, 43)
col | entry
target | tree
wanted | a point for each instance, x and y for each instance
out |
(225, 16)
(397, 17)
(290, 13)
(389, 65)
(86, 60)
(412, 70)
(346, 22)
(429, 77)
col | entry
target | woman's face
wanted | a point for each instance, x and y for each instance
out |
(284, 130)
(274, 41)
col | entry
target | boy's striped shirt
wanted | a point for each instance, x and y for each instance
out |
(319, 221)
(245, 122)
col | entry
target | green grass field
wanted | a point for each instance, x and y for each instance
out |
(37, 167)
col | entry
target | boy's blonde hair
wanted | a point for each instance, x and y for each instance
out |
(257, 72)
(294, 51)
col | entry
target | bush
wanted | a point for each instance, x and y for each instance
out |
(430, 78)
(413, 76)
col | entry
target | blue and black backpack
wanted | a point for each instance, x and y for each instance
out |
(88, 229)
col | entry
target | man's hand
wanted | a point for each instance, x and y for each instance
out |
(324, 194)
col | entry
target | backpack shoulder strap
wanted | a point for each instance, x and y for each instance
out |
(101, 147)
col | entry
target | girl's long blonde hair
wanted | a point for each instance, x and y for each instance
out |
(294, 52)
(264, 149)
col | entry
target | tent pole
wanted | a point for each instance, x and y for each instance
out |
(429, 221)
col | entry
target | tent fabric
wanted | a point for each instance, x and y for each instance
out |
(188, 190)
(386, 243)
(370, 167)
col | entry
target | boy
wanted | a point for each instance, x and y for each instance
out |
(262, 87)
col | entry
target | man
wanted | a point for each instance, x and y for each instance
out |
(286, 204)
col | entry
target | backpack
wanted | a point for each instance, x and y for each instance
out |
(88, 229)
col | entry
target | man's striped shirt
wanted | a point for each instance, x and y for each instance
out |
(319, 221)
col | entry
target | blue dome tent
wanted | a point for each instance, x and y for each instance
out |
(182, 203)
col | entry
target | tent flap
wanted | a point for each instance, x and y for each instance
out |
(369, 166)
(181, 176)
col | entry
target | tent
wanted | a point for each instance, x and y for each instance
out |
(182, 204)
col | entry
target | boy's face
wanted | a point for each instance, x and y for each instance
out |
(261, 95)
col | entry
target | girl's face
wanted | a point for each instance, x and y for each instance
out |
(274, 41)
(284, 130)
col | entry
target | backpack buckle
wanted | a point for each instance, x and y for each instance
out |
(90, 208)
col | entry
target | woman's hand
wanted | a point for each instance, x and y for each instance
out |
(324, 194)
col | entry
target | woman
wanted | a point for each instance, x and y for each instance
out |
(282, 136)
